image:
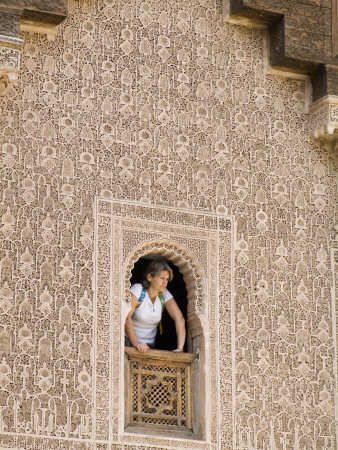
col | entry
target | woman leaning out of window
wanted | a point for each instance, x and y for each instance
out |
(148, 299)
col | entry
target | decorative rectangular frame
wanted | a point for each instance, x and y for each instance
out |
(120, 228)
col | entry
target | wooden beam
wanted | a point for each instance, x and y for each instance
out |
(334, 28)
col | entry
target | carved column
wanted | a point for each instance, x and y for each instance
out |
(35, 16)
(10, 52)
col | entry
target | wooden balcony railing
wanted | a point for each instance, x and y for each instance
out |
(158, 392)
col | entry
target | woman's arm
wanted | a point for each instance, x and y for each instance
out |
(129, 327)
(175, 313)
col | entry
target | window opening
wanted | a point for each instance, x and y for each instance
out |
(166, 393)
(177, 287)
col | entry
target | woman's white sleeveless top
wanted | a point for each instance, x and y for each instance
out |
(147, 315)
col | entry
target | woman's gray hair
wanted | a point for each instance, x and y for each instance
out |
(153, 268)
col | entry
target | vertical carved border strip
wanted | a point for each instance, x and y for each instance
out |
(214, 330)
(334, 296)
(226, 334)
(120, 220)
(96, 258)
(103, 235)
(116, 341)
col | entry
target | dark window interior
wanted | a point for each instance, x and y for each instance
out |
(166, 341)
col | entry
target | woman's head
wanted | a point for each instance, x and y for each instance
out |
(153, 269)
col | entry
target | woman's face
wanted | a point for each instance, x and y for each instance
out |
(159, 281)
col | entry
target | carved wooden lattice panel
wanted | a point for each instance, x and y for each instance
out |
(159, 389)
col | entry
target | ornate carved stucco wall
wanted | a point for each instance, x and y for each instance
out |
(161, 102)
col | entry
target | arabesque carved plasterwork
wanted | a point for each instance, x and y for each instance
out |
(163, 103)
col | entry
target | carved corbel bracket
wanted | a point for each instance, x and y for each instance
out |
(10, 55)
(324, 118)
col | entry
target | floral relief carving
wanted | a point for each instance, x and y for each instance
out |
(162, 103)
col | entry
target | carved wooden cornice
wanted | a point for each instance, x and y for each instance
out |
(303, 38)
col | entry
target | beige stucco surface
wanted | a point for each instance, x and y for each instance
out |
(163, 103)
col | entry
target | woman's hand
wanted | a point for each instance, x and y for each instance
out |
(142, 347)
